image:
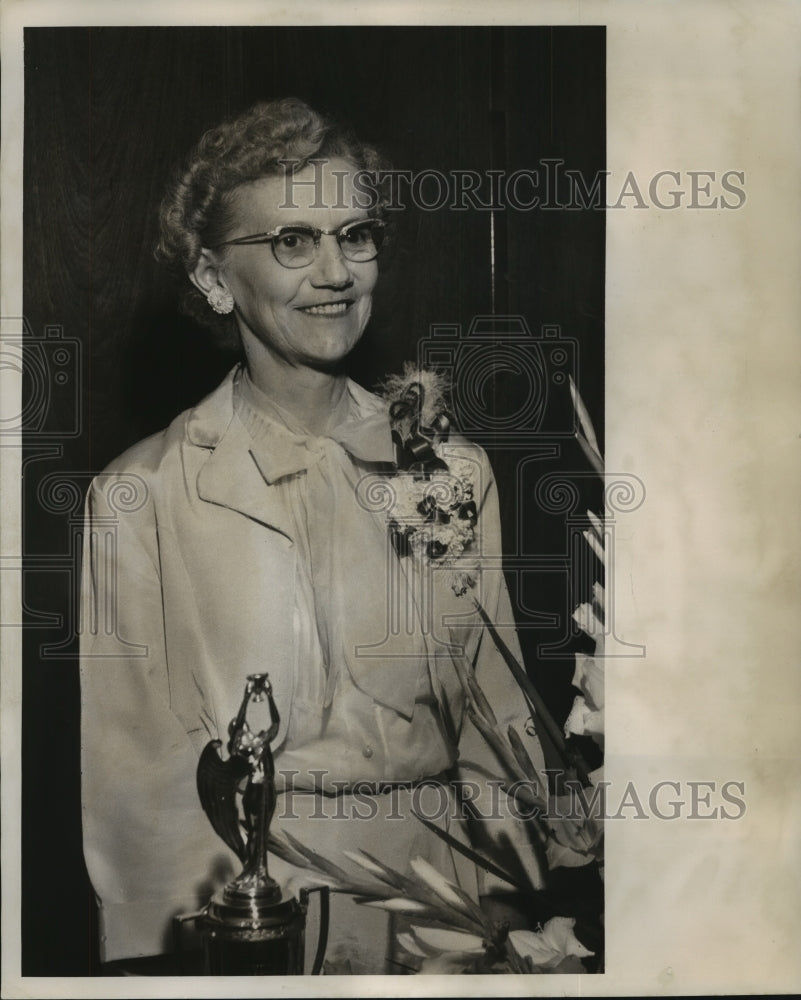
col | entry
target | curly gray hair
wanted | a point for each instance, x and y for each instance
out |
(196, 209)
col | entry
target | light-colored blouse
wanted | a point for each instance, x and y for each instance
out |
(349, 666)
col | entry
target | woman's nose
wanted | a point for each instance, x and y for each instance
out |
(330, 266)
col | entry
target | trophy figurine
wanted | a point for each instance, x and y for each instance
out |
(249, 928)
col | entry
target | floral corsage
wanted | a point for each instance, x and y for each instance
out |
(433, 514)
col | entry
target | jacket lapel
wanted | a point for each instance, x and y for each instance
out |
(230, 476)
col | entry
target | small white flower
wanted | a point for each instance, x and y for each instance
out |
(464, 579)
(550, 946)
(588, 677)
(586, 619)
(584, 721)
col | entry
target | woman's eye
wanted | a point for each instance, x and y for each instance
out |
(291, 241)
(359, 235)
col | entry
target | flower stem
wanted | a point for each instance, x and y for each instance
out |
(570, 761)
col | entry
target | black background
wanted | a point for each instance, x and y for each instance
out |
(108, 111)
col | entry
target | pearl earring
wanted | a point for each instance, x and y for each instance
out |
(221, 300)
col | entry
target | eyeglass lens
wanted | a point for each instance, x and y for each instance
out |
(360, 242)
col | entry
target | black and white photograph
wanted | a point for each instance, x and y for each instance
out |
(400, 464)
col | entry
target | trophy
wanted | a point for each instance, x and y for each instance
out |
(249, 927)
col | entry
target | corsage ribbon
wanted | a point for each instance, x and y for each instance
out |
(416, 448)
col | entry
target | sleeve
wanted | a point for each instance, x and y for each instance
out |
(148, 846)
(500, 831)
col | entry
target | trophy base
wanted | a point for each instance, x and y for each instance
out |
(253, 933)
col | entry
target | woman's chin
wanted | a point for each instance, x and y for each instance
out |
(331, 355)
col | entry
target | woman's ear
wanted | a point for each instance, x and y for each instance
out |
(206, 274)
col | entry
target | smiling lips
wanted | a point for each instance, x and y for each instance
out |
(327, 309)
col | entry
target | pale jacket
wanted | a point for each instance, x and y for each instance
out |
(189, 585)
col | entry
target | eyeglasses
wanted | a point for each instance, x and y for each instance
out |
(295, 246)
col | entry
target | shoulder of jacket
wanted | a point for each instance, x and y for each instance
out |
(201, 425)
(147, 456)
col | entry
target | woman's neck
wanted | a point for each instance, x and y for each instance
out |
(309, 395)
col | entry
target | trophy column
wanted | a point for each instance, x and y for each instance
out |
(248, 928)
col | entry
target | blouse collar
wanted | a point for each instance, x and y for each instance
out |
(282, 446)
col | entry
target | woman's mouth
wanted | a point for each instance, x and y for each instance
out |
(327, 309)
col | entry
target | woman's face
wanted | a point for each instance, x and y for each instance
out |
(309, 316)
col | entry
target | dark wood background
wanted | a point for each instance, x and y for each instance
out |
(108, 111)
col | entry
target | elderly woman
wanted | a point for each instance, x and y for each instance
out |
(242, 540)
